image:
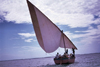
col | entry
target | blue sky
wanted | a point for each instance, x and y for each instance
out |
(79, 19)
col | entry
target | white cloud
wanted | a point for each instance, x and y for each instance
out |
(28, 40)
(74, 20)
(26, 35)
(16, 10)
(91, 32)
(90, 40)
(72, 13)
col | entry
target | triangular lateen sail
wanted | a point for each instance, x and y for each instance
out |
(48, 34)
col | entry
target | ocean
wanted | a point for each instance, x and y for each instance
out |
(82, 60)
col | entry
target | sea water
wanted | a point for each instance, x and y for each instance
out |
(83, 60)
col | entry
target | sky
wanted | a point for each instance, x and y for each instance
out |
(79, 19)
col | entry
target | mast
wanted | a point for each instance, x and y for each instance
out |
(64, 41)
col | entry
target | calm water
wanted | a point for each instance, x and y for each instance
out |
(86, 60)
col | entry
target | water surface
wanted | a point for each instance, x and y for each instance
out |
(84, 60)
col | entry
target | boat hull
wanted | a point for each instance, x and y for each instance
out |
(64, 60)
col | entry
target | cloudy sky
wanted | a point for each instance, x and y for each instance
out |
(79, 19)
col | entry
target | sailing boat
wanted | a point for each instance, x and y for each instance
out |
(49, 36)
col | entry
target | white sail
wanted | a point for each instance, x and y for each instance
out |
(48, 34)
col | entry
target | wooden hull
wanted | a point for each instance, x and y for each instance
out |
(64, 60)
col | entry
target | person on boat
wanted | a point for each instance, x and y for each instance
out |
(71, 55)
(73, 52)
(57, 55)
(65, 55)
(66, 51)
